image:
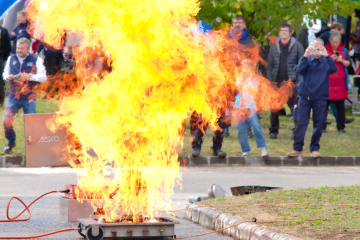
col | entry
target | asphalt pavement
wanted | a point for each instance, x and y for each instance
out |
(29, 183)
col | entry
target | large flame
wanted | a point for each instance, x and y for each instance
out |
(162, 69)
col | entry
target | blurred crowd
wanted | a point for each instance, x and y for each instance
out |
(319, 73)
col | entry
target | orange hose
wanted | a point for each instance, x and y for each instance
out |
(41, 235)
(14, 219)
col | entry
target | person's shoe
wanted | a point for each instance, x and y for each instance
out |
(219, 153)
(315, 154)
(289, 115)
(349, 120)
(264, 152)
(250, 134)
(342, 131)
(294, 153)
(8, 148)
(273, 135)
(196, 152)
(245, 154)
(329, 122)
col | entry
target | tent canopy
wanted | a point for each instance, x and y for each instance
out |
(8, 10)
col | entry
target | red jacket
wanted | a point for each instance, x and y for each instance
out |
(337, 80)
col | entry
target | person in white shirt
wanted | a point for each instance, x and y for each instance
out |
(23, 71)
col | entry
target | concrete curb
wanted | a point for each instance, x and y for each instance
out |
(270, 161)
(12, 161)
(20, 161)
(211, 218)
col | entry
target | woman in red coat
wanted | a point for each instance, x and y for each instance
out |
(338, 80)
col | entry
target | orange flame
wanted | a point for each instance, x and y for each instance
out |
(130, 117)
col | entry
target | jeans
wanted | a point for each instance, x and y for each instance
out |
(243, 136)
(302, 122)
(248, 124)
(12, 106)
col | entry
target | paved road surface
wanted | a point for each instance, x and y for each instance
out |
(29, 183)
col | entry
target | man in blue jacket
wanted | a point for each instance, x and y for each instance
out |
(20, 30)
(23, 71)
(315, 67)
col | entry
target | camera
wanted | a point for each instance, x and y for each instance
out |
(337, 53)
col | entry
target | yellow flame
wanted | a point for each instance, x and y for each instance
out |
(162, 69)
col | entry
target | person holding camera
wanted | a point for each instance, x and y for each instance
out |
(313, 92)
(338, 82)
(23, 71)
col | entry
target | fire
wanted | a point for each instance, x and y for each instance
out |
(161, 69)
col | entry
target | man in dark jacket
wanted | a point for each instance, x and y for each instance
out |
(5, 49)
(324, 34)
(315, 67)
(53, 58)
(20, 30)
(283, 57)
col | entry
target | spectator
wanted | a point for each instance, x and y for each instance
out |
(303, 36)
(5, 49)
(23, 71)
(355, 38)
(35, 46)
(283, 57)
(53, 58)
(338, 82)
(325, 33)
(244, 100)
(315, 67)
(20, 30)
(240, 33)
(246, 41)
(217, 138)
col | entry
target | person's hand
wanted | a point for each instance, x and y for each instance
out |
(308, 51)
(335, 57)
(10, 77)
(24, 77)
(36, 53)
(323, 51)
(339, 59)
(13, 33)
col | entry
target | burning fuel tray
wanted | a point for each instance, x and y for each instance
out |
(156, 228)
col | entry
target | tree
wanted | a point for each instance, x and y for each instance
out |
(263, 17)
